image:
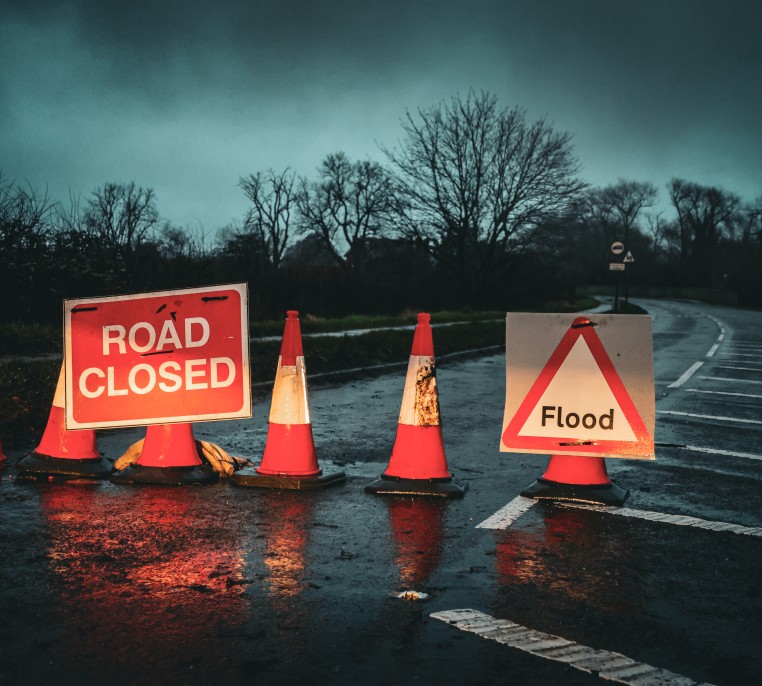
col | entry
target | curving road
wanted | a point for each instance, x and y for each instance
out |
(122, 585)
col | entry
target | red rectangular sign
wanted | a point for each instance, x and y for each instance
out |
(156, 358)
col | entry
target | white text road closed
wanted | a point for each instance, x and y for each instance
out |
(579, 386)
(159, 357)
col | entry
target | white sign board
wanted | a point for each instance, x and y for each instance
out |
(579, 386)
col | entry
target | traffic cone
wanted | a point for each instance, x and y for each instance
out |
(289, 460)
(418, 465)
(579, 479)
(62, 452)
(169, 456)
(2, 454)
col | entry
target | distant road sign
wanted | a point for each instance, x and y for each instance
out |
(579, 388)
(616, 266)
(155, 358)
(617, 247)
(628, 258)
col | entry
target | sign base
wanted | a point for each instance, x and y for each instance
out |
(166, 476)
(443, 488)
(38, 465)
(596, 494)
(250, 477)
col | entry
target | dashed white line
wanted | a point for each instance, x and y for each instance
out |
(507, 515)
(709, 416)
(741, 369)
(725, 378)
(605, 664)
(713, 349)
(686, 375)
(728, 453)
(742, 395)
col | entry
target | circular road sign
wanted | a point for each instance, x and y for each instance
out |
(617, 247)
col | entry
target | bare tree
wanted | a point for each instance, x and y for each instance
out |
(25, 218)
(274, 200)
(347, 207)
(704, 215)
(475, 180)
(616, 208)
(122, 216)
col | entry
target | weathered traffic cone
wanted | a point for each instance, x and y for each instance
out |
(169, 456)
(418, 465)
(63, 452)
(579, 479)
(289, 460)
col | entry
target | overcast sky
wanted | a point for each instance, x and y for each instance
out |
(187, 96)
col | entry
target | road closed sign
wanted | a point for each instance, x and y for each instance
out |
(579, 386)
(155, 358)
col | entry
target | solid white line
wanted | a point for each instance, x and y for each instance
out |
(605, 664)
(507, 515)
(686, 375)
(680, 520)
(732, 354)
(717, 451)
(725, 378)
(742, 395)
(709, 416)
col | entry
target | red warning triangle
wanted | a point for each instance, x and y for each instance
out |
(579, 404)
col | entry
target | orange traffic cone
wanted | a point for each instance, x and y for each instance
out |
(418, 465)
(62, 452)
(2, 454)
(169, 456)
(580, 479)
(289, 460)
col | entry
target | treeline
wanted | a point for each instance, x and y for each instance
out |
(477, 207)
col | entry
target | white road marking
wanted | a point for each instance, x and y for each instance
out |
(709, 416)
(605, 664)
(507, 515)
(713, 350)
(680, 520)
(741, 369)
(734, 354)
(686, 375)
(725, 378)
(742, 395)
(717, 451)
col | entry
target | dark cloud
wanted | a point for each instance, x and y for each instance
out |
(186, 96)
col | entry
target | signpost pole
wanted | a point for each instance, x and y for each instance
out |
(617, 248)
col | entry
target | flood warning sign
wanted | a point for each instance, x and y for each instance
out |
(579, 386)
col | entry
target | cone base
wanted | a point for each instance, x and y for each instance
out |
(250, 477)
(441, 488)
(199, 475)
(38, 465)
(596, 494)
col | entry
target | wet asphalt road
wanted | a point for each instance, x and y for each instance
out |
(220, 584)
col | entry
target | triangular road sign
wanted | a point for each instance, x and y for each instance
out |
(579, 403)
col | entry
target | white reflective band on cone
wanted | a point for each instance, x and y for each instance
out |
(59, 399)
(420, 401)
(289, 403)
